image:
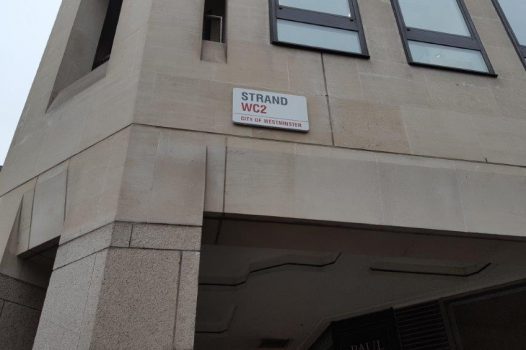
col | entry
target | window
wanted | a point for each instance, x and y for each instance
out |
(108, 33)
(513, 14)
(90, 43)
(214, 21)
(328, 25)
(441, 34)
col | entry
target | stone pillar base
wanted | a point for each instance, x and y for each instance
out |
(123, 286)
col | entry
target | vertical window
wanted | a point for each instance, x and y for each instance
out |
(214, 21)
(107, 35)
(441, 34)
(513, 14)
(328, 25)
(90, 42)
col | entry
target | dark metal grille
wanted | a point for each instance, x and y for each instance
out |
(422, 327)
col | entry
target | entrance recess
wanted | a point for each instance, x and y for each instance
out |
(322, 286)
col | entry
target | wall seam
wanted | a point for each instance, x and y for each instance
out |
(327, 97)
(177, 298)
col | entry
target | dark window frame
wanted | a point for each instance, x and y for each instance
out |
(521, 49)
(321, 19)
(445, 39)
(108, 32)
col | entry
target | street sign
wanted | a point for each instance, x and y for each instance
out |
(270, 110)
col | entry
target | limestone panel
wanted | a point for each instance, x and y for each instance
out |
(83, 246)
(420, 193)
(164, 179)
(26, 214)
(443, 134)
(365, 125)
(360, 187)
(94, 179)
(502, 139)
(287, 180)
(493, 199)
(49, 206)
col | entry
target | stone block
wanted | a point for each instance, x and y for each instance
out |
(420, 193)
(83, 246)
(365, 125)
(213, 52)
(18, 326)
(164, 180)
(121, 234)
(289, 183)
(69, 310)
(26, 214)
(442, 134)
(138, 300)
(493, 199)
(502, 139)
(112, 235)
(462, 96)
(343, 79)
(21, 293)
(168, 237)
(94, 181)
(395, 91)
(48, 206)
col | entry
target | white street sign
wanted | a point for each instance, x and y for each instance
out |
(270, 110)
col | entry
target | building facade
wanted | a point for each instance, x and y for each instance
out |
(135, 214)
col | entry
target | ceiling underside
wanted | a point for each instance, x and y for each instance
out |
(283, 281)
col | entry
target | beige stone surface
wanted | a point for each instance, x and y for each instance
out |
(164, 179)
(297, 181)
(94, 181)
(368, 188)
(493, 199)
(47, 138)
(49, 206)
(420, 194)
(26, 214)
(446, 134)
(365, 125)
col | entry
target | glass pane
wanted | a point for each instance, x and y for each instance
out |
(333, 7)
(442, 16)
(317, 36)
(447, 56)
(515, 11)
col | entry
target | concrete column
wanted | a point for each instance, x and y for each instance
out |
(123, 286)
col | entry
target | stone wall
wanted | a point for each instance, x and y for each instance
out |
(20, 307)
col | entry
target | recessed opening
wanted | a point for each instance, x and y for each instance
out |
(309, 285)
(108, 33)
(90, 41)
(214, 21)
